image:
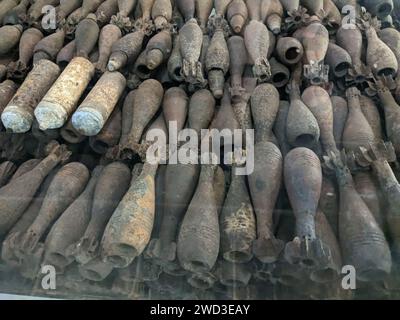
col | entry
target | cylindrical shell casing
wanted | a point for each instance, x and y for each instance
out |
(95, 110)
(18, 115)
(62, 98)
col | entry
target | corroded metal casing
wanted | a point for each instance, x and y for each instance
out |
(18, 115)
(95, 110)
(62, 98)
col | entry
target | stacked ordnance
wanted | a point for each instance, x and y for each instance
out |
(84, 82)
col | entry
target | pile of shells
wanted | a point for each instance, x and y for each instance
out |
(84, 81)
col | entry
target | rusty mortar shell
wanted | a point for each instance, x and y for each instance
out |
(69, 134)
(257, 40)
(49, 46)
(97, 107)
(175, 62)
(238, 223)
(66, 54)
(61, 100)
(125, 50)
(217, 63)
(129, 230)
(351, 40)
(161, 13)
(234, 275)
(302, 129)
(17, 195)
(318, 101)
(71, 225)
(176, 202)
(190, 43)
(315, 40)
(264, 118)
(378, 157)
(158, 49)
(18, 115)
(338, 59)
(10, 36)
(391, 37)
(362, 242)
(109, 136)
(237, 15)
(146, 102)
(62, 192)
(106, 11)
(264, 185)
(199, 237)
(238, 61)
(289, 50)
(86, 36)
(357, 132)
(30, 37)
(302, 164)
(110, 188)
(6, 6)
(109, 35)
(340, 112)
(10, 248)
(380, 58)
(95, 270)
(7, 91)
(280, 74)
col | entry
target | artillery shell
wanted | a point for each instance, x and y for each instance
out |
(61, 100)
(18, 115)
(97, 107)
